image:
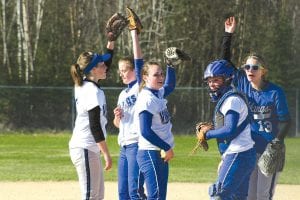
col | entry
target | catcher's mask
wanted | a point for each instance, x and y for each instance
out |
(219, 68)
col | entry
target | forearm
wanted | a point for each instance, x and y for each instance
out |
(226, 45)
(110, 45)
(170, 81)
(138, 66)
(117, 122)
(283, 129)
(137, 52)
(229, 128)
(103, 148)
(110, 50)
(145, 125)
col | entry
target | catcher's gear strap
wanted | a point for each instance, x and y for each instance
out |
(223, 144)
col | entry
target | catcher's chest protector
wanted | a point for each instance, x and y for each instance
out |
(219, 117)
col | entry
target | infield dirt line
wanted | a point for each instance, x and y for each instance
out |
(69, 190)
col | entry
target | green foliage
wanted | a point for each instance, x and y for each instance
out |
(45, 157)
(69, 28)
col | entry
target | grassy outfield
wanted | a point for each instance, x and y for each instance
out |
(45, 157)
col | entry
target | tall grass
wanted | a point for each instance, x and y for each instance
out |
(45, 157)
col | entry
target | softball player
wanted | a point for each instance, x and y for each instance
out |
(89, 133)
(269, 109)
(154, 128)
(233, 134)
(130, 183)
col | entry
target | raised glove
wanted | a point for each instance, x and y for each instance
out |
(174, 56)
(134, 22)
(273, 158)
(115, 26)
(201, 130)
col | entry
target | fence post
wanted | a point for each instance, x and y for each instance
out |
(297, 113)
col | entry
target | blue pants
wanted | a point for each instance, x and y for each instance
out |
(234, 175)
(130, 181)
(155, 172)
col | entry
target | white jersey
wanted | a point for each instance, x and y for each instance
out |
(243, 141)
(87, 97)
(161, 124)
(127, 129)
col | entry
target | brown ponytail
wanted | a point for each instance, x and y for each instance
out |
(76, 69)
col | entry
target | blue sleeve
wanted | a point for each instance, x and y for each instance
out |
(282, 110)
(138, 66)
(228, 130)
(145, 124)
(170, 81)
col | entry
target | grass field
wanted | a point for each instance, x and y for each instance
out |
(45, 157)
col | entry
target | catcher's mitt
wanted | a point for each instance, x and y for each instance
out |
(201, 129)
(174, 56)
(115, 26)
(272, 159)
(134, 22)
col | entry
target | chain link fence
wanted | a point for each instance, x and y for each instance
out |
(25, 108)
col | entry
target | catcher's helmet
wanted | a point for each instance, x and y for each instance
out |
(219, 68)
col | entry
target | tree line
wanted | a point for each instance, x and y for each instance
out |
(42, 38)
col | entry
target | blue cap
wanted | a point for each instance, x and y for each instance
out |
(95, 60)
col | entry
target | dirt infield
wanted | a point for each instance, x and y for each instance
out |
(70, 191)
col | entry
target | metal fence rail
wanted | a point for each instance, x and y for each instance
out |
(29, 108)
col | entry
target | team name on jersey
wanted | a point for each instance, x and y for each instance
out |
(260, 112)
(165, 116)
(129, 102)
(262, 115)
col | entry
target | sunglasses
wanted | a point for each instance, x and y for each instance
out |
(253, 67)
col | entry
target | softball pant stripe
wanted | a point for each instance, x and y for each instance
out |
(155, 172)
(234, 174)
(88, 176)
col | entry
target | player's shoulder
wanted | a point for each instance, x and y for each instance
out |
(274, 90)
(274, 87)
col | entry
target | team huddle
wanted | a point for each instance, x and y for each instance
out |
(250, 121)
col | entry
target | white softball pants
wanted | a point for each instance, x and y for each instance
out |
(90, 173)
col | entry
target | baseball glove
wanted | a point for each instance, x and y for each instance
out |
(201, 130)
(273, 158)
(134, 22)
(115, 26)
(174, 56)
